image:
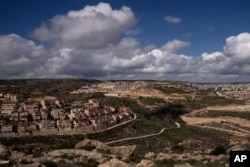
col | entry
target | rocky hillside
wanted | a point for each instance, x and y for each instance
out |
(95, 153)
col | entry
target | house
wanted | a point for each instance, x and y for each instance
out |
(8, 107)
(90, 112)
(49, 125)
(111, 108)
(11, 97)
(100, 112)
(31, 106)
(57, 113)
(94, 102)
(44, 114)
(45, 104)
(60, 103)
(97, 120)
(109, 119)
(27, 126)
(1, 96)
(36, 115)
(23, 115)
(5, 128)
(76, 109)
(116, 118)
(14, 116)
(76, 104)
(82, 122)
(64, 124)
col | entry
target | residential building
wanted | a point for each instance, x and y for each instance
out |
(8, 107)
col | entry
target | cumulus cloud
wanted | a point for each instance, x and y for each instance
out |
(172, 19)
(92, 27)
(238, 48)
(83, 49)
(19, 56)
(175, 45)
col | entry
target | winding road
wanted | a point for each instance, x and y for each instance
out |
(144, 136)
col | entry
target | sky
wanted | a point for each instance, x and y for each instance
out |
(181, 40)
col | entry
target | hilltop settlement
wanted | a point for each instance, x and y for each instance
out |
(48, 114)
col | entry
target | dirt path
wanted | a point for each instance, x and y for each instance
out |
(144, 136)
(231, 122)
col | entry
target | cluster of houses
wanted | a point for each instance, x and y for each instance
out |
(51, 113)
(239, 91)
(111, 87)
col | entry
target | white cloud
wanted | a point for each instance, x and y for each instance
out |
(175, 45)
(92, 27)
(172, 19)
(105, 57)
(19, 56)
(238, 48)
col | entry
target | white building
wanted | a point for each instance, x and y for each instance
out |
(8, 107)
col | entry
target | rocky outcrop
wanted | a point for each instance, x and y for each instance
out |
(150, 155)
(183, 165)
(95, 143)
(3, 150)
(73, 153)
(115, 163)
(122, 150)
(191, 156)
(146, 163)
(100, 146)
(4, 153)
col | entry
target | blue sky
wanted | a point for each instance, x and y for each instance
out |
(195, 31)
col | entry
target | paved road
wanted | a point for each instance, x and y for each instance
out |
(144, 136)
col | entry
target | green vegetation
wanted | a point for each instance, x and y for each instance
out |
(152, 101)
(205, 101)
(218, 150)
(88, 147)
(240, 114)
(92, 163)
(39, 144)
(170, 90)
(39, 87)
(50, 164)
(165, 163)
(178, 148)
(25, 161)
(170, 110)
(135, 157)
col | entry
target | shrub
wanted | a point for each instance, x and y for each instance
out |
(50, 164)
(218, 150)
(178, 148)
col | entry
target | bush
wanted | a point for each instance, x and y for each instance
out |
(151, 101)
(218, 150)
(50, 164)
(25, 161)
(135, 158)
(178, 148)
(88, 147)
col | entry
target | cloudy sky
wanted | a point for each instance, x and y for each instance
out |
(191, 40)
